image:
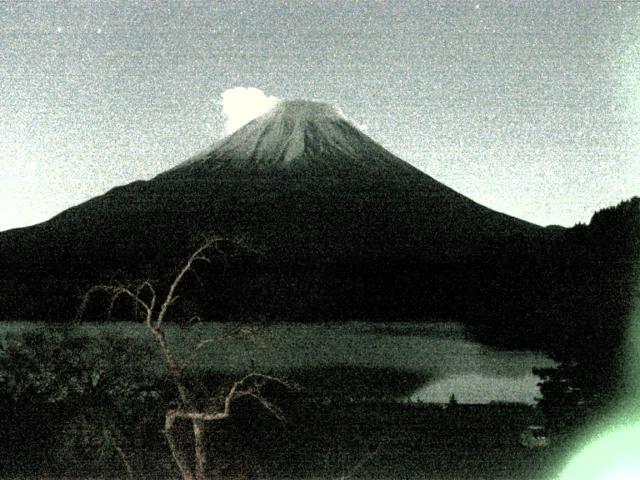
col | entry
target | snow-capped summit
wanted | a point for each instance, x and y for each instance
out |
(297, 134)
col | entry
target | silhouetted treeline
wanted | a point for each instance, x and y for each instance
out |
(564, 291)
(570, 296)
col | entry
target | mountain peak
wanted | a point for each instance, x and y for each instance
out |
(306, 110)
(296, 135)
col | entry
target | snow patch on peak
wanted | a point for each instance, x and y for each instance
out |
(298, 134)
(308, 110)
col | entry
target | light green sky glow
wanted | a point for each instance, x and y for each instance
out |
(612, 455)
(612, 449)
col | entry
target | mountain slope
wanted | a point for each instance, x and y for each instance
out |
(341, 223)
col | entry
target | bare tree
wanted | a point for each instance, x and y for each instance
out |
(361, 463)
(153, 308)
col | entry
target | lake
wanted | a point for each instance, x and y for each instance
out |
(439, 353)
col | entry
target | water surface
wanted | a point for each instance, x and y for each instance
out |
(441, 353)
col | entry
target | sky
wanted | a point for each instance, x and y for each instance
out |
(530, 108)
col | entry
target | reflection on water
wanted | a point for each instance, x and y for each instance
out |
(440, 352)
(479, 388)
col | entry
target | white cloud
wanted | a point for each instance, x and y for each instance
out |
(360, 126)
(240, 105)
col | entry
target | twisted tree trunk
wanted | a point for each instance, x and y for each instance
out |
(145, 297)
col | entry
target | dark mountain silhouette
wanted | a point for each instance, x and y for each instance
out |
(341, 223)
(344, 229)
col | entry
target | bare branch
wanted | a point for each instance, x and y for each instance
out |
(116, 292)
(363, 461)
(268, 378)
(114, 298)
(196, 350)
(197, 277)
(202, 258)
(195, 256)
(198, 415)
(176, 452)
(111, 439)
(145, 297)
(200, 448)
(125, 291)
(140, 290)
(238, 390)
(146, 284)
(270, 407)
(174, 367)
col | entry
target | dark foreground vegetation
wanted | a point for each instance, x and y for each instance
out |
(85, 406)
(75, 406)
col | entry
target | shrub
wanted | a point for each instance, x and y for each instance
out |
(74, 400)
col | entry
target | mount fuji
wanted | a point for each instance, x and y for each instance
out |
(297, 135)
(343, 227)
